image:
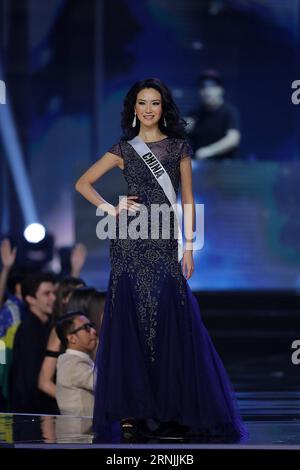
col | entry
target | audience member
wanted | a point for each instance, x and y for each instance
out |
(74, 384)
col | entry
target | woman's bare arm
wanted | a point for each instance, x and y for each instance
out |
(188, 207)
(94, 173)
(187, 199)
(47, 372)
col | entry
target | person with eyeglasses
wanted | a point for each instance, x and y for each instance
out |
(74, 380)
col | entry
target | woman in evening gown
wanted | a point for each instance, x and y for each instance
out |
(156, 365)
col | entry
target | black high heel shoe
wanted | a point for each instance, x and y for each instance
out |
(129, 428)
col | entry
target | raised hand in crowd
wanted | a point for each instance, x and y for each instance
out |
(8, 257)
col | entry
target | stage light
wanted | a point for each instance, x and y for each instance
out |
(13, 152)
(34, 233)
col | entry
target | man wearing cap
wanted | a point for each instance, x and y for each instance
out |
(214, 127)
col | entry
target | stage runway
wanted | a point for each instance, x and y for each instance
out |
(272, 419)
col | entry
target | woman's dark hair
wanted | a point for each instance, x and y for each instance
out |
(89, 301)
(175, 125)
(65, 289)
(96, 309)
(80, 299)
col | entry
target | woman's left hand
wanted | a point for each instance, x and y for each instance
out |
(187, 264)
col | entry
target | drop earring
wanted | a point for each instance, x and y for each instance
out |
(134, 120)
(165, 122)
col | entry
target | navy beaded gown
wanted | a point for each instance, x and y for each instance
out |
(155, 358)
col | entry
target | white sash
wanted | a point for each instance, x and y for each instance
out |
(162, 178)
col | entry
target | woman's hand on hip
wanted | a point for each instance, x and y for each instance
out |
(127, 203)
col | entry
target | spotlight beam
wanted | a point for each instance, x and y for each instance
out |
(16, 164)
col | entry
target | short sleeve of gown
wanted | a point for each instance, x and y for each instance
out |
(186, 150)
(116, 150)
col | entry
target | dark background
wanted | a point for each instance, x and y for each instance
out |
(67, 65)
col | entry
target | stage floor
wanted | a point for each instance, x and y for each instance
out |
(272, 419)
(268, 393)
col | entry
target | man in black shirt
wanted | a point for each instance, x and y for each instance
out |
(30, 343)
(214, 126)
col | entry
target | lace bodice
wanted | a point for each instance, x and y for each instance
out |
(169, 151)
